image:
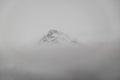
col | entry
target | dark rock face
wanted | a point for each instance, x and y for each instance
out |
(52, 36)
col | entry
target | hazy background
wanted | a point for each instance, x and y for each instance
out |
(24, 21)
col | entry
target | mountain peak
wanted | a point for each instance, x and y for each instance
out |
(53, 31)
(54, 36)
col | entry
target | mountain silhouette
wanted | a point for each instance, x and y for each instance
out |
(57, 37)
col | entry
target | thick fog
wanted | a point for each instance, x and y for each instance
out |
(94, 23)
(23, 21)
(81, 62)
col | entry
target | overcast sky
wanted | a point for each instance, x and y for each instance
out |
(25, 21)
